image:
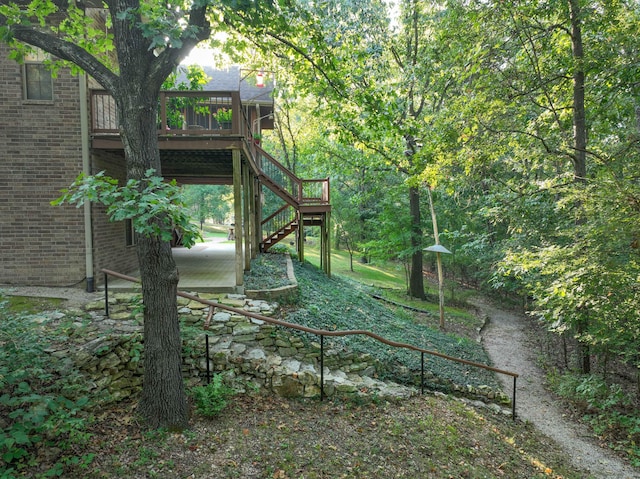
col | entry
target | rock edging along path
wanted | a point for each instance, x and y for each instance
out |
(506, 341)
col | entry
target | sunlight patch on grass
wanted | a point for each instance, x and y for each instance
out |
(386, 275)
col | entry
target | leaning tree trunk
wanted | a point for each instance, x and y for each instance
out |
(416, 282)
(163, 402)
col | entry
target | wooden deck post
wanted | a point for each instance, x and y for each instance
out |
(325, 250)
(257, 215)
(300, 236)
(246, 218)
(327, 221)
(237, 208)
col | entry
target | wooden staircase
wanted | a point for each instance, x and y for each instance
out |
(305, 203)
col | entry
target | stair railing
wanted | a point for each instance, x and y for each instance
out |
(277, 222)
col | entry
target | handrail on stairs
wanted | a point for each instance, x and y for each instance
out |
(303, 191)
(322, 333)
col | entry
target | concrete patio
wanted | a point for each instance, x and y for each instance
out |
(207, 267)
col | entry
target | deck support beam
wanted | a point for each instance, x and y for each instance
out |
(300, 236)
(257, 215)
(325, 244)
(246, 218)
(237, 210)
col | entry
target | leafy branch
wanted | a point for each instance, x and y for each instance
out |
(155, 207)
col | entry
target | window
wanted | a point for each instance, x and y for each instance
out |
(130, 233)
(38, 84)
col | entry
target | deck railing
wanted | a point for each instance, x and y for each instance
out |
(180, 113)
(304, 192)
(209, 113)
(219, 113)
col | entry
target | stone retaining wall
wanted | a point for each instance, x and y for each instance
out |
(248, 352)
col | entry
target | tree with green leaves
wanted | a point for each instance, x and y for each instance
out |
(381, 90)
(131, 59)
(209, 202)
(545, 154)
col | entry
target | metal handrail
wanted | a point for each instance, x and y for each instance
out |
(324, 332)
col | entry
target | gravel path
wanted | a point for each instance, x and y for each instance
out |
(506, 339)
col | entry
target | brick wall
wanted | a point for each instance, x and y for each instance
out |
(109, 238)
(40, 153)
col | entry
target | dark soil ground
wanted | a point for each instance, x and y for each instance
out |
(270, 437)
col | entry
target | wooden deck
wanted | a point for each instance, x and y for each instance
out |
(207, 137)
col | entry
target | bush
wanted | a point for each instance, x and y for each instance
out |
(35, 403)
(607, 408)
(211, 399)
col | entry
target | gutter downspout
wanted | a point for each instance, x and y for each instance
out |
(86, 169)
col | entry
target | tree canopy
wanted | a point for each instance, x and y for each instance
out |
(522, 117)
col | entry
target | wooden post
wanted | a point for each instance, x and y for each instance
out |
(257, 191)
(300, 236)
(436, 236)
(246, 217)
(327, 221)
(253, 216)
(237, 208)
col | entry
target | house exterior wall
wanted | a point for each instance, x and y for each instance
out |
(109, 238)
(40, 153)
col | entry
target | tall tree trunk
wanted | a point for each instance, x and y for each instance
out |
(579, 114)
(416, 282)
(163, 402)
(579, 146)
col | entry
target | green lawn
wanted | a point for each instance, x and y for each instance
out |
(383, 275)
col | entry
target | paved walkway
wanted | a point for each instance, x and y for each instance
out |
(207, 267)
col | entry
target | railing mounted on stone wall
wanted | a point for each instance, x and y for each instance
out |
(322, 333)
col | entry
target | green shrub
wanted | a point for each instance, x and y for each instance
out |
(211, 399)
(35, 400)
(606, 408)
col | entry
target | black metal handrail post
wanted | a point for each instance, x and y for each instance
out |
(106, 295)
(206, 340)
(321, 367)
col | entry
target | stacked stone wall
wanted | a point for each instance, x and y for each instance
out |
(247, 352)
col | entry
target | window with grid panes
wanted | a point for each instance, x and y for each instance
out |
(38, 83)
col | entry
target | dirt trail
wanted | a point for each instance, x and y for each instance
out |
(506, 339)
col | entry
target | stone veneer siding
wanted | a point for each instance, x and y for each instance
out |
(40, 153)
